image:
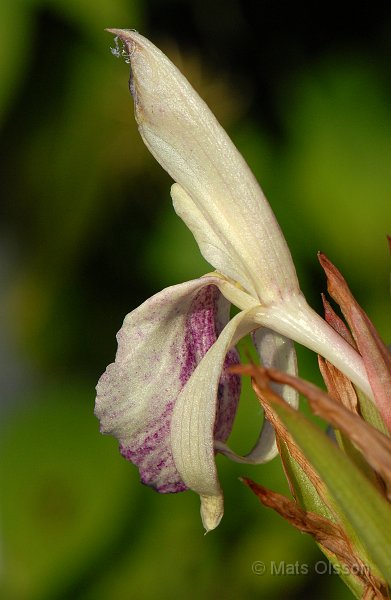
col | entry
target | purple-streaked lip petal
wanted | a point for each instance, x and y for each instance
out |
(160, 345)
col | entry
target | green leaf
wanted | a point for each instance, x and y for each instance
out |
(359, 503)
(301, 486)
(308, 498)
(370, 413)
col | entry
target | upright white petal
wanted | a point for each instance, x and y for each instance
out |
(220, 199)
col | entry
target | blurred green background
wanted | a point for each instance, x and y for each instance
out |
(87, 233)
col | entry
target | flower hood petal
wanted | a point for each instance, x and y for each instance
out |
(159, 346)
(246, 243)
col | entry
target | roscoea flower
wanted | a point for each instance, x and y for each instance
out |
(169, 397)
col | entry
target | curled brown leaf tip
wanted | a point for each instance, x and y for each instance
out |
(338, 385)
(334, 276)
(306, 522)
(375, 354)
(329, 535)
(374, 446)
(336, 322)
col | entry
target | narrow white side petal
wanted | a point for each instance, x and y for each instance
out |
(217, 250)
(194, 418)
(242, 239)
(278, 352)
(159, 346)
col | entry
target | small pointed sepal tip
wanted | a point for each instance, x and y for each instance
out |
(120, 32)
(126, 37)
(212, 510)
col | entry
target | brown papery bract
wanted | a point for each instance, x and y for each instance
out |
(329, 535)
(336, 322)
(374, 352)
(375, 446)
(338, 385)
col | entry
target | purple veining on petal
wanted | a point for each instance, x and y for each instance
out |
(153, 457)
(227, 398)
(159, 346)
(200, 331)
(229, 384)
(207, 317)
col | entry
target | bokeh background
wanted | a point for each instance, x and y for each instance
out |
(87, 233)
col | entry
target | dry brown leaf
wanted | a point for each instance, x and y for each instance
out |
(375, 446)
(329, 535)
(375, 354)
(336, 322)
(341, 389)
(284, 437)
(261, 383)
(338, 385)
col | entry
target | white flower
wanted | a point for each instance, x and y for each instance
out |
(169, 397)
